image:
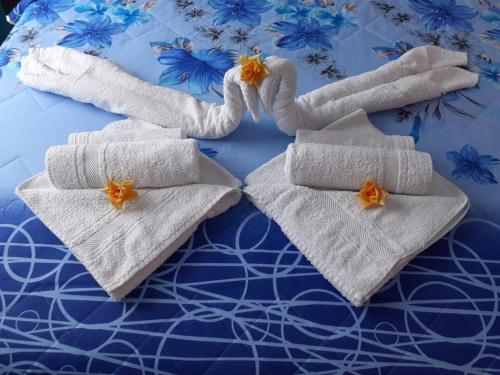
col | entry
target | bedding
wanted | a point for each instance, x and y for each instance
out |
(237, 296)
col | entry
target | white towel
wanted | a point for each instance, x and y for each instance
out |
(106, 85)
(420, 74)
(356, 250)
(347, 167)
(139, 126)
(150, 164)
(138, 134)
(122, 248)
(354, 130)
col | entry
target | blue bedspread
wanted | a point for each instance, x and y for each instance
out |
(238, 298)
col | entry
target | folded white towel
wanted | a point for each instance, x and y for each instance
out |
(139, 125)
(420, 74)
(357, 250)
(140, 133)
(347, 167)
(354, 130)
(105, 84)
(122, 248)
(147, 164)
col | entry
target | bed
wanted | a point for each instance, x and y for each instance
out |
(238, 297)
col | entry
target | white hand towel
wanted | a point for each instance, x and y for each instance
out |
(354, 130)
(147, 164)
(138, 125)
(347, 167)
(106, 85)
(422, 73)
(356, 250)
(138, 133)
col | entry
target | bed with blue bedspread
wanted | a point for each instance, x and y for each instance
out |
(238, 297)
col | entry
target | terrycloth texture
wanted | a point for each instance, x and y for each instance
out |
(346, 167)
(105, 84)
(357, 250)
(122, 248)
(354, 130)
(140, 133)
(420, 74)
(148, 164)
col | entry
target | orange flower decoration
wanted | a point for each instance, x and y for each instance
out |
(118, 194)
(372, 195)
(253, 69)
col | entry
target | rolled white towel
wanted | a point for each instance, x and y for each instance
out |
(148, 164)
(108, 136)
(347, 167)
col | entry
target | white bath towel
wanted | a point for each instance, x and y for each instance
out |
(356, 250)
(347, 167)
(151, 164)
(354, 129)
(122, 248)
(140, 133)
(105, 84)
(420, 74)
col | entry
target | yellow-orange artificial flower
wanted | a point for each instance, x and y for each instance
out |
(118, 194)
(372, 195)
(253, 69)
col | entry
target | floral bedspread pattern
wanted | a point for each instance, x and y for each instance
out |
(238, 296)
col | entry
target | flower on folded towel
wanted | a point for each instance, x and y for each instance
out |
(253, 69)
(118, 194)
(372, 195)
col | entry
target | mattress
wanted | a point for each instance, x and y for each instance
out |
(238, 297)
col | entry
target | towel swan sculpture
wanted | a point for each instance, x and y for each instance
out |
(422, 73)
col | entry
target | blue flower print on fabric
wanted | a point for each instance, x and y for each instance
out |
(248, 12)
(46, 12)
(307, 33)
(199, 68)
(470, 164)
(96, 32)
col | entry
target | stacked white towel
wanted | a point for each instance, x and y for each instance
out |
(122, 248)
(357, 250)
(347, 167)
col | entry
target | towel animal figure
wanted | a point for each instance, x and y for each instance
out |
(357, 250)
(420, 74)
